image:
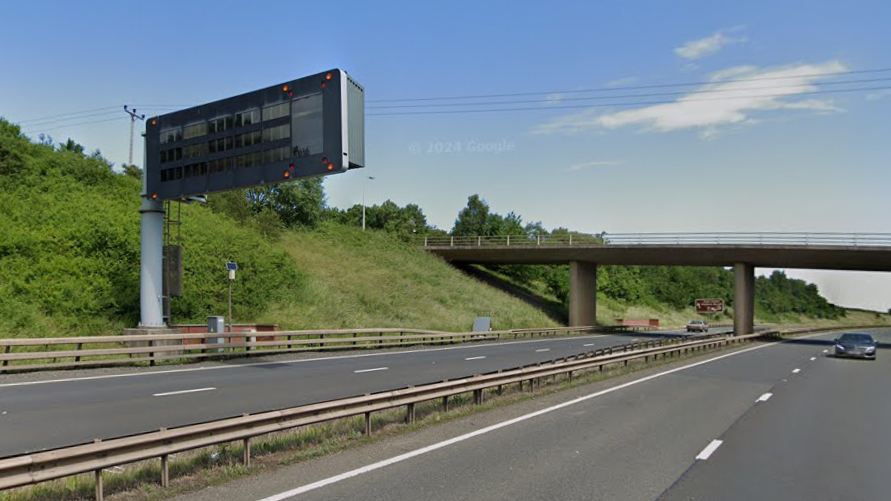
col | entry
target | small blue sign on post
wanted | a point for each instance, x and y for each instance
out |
(231, 266)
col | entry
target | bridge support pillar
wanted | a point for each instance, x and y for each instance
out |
(582, 294)
(743, 299)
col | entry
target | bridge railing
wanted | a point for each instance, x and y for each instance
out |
(661, 239)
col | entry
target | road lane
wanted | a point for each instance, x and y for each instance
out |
(630, 444)
(821, 436)
(117, 406)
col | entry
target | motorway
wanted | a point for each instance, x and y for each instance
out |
(40, 415)
(771, 421)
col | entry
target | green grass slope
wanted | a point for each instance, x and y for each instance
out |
(69, 262)
(362, 279)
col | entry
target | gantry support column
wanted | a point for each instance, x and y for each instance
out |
(151, 261)
(743, 299)
(582, 294)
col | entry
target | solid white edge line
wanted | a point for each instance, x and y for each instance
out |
(474, 358)
(182, 392)
(796, 371)
(709, 449)
(765, 397)
(287, 362)
(439, 445)
(371, 370)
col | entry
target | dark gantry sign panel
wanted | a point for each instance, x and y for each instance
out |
(313, 126)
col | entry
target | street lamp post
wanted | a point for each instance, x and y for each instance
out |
(363, 200)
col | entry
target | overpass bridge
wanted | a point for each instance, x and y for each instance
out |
(742, 251)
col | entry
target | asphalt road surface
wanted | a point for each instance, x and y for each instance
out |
(777, 421)
(49, 414)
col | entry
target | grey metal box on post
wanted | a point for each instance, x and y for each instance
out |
(216, 325)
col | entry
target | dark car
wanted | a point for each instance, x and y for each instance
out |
(856, 345)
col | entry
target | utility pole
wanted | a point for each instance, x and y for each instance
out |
(133, 117)
(363, 201)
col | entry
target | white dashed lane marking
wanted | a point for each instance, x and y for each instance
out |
(372, 370)
(709, 450)
(182, 392)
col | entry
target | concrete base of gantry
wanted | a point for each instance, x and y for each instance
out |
(582, 293)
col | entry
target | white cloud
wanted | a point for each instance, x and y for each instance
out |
(596, 163)
(696, 49)
(716, 105)
(875, 96)
(554, 99)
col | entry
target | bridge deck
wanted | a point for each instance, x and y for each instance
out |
(855, 258)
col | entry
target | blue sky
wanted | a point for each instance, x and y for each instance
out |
(798, 160)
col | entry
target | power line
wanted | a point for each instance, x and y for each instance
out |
(605, 105)
(627, 96)
(49, 121)
(67, 114)
(32, 131)
(637, 87)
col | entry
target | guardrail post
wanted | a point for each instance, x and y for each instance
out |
(151, 354)
(479, 241)
(367, 424)
(570, 239)
(77, 358)
(538, 240)
(445, 403)
(165, 471)
(246, 443)
(452, 242)
(6, 351)
(478, 397)
(508, 240)
(425, 241)
(100, 492)
(410, 413)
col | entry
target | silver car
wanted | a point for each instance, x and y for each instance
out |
(854, 344)
(697, 325)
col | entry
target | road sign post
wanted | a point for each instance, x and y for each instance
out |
(232, 267)
(709, 305)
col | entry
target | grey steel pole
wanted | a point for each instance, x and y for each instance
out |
(230, 305)
(132, 126)
(151, 257)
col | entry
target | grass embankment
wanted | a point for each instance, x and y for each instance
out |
(370, 279)
(69, 261)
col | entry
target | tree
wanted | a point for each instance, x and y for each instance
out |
(473, 220)
(71, 146)
(299, 203)
(132, 171)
